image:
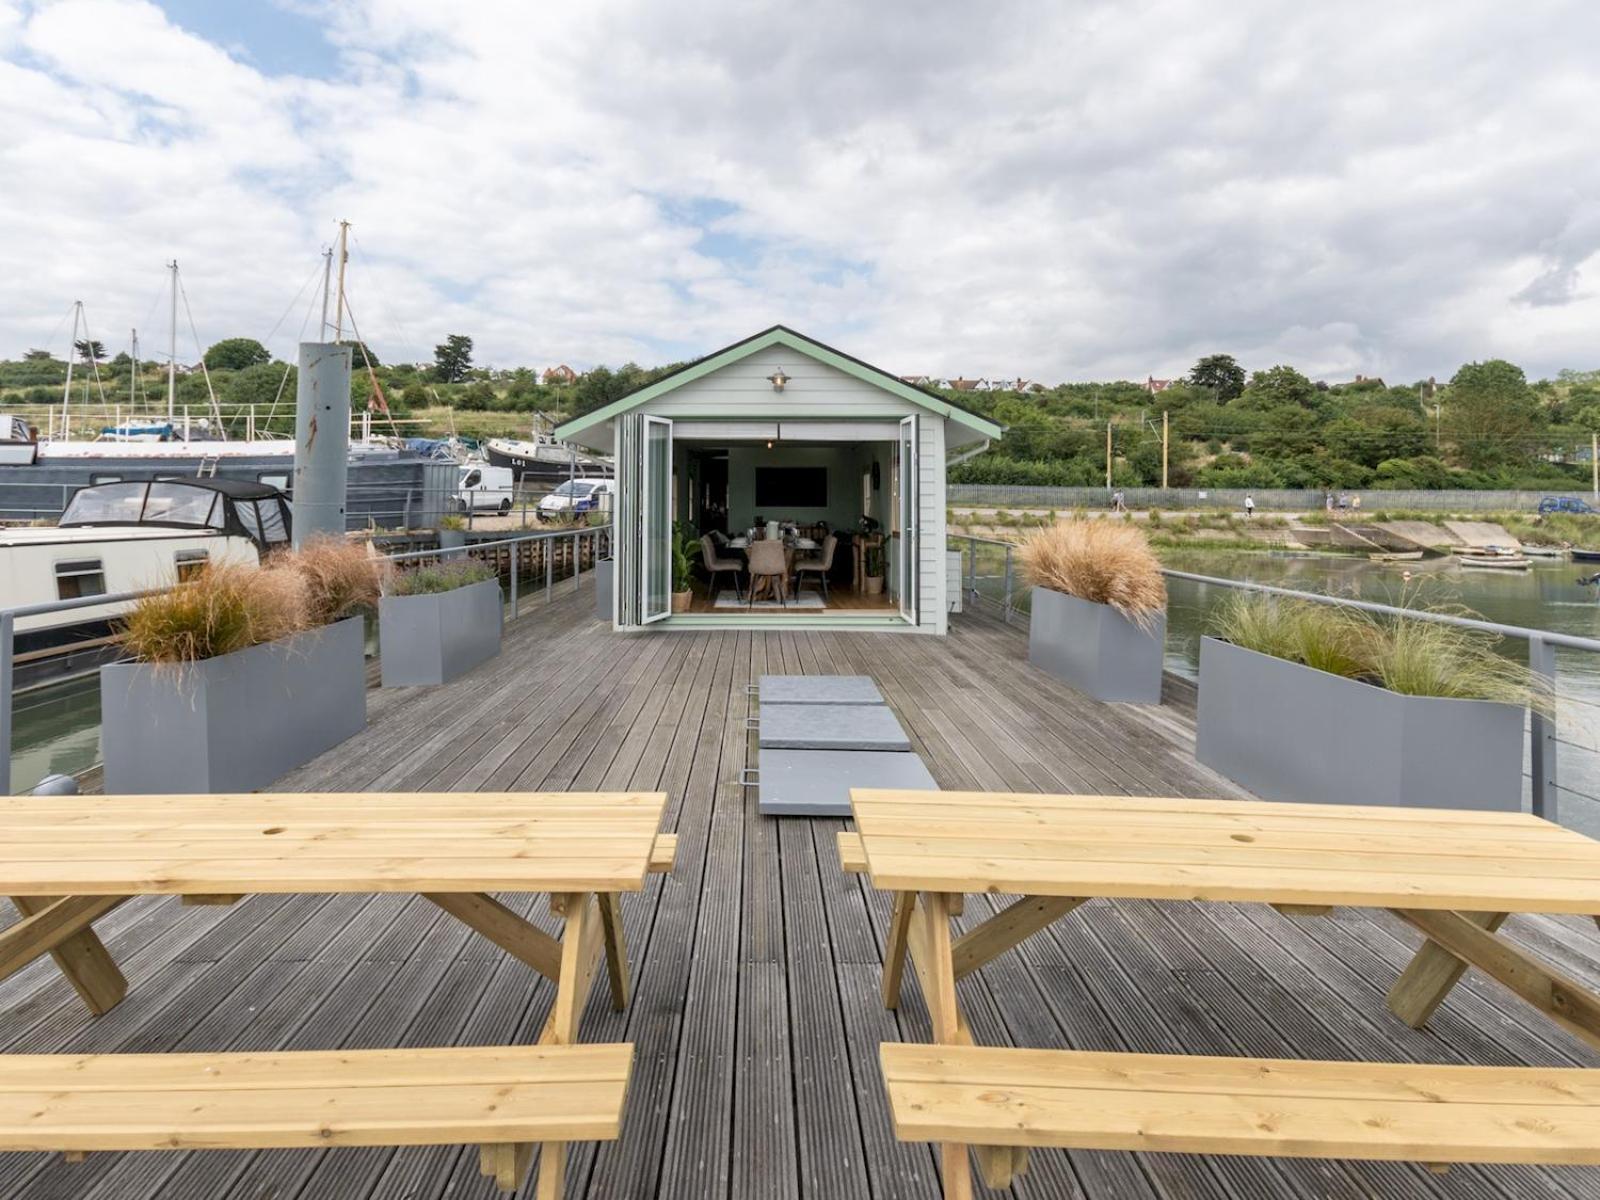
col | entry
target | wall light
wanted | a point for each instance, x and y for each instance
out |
(777, 379)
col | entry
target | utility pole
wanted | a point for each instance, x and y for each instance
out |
(327, 283)
(172, 350)
(344, 257)
(1163, 449)
(1594, 464)
(1437, 435)
(133, 373)
(72, 349)
(1108, 456)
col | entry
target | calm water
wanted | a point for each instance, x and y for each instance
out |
(58, 728)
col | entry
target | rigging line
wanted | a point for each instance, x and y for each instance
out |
(56, 332)
(94, 363)
(377, 388)
(287, 367)
(315, 271)
(200, 350)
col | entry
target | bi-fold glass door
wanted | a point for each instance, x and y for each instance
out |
(906, 473)
(655, 523)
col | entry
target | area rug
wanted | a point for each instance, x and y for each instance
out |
(809, 601)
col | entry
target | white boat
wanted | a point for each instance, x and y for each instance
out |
(543, 460)
(1494, 558)
(125, 537)
(1544, 551)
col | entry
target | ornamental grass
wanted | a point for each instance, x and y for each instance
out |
(1104, 562)
(224, 608)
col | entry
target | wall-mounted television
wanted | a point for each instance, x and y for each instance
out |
(780, 488)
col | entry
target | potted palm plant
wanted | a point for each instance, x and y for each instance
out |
(872, 565)
(1303, 701)
(239, 675)
(684, 547)
(1098, 616)
(437, 622)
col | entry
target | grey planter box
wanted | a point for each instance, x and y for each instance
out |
(1290, 732)
(432, 639)
(1096, 649)
(602, 589)
(452, 539)
(234, 723)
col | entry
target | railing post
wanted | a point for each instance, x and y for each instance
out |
(514, 580)
(7, 646)
(1542, 731)
(549, 568)
(972, 571)
(1007, 615)
(577, 559)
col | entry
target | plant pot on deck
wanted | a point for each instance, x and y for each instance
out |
(1291, 732)
(874, 585)
(452, 539)
(234, 723)
(1095, 649)
(602, 589)
(681, 601)
(435, 637)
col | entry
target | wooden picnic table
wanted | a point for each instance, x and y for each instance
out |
(1453, 875)
(66, 861)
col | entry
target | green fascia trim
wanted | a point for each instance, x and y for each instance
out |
(799, 344)
(691, 621)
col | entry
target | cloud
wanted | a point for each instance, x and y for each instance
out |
(1069, 191)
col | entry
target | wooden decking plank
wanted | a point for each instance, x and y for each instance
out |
(1297, 995)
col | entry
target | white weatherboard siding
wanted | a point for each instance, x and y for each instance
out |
(932, 615)
(814, 391)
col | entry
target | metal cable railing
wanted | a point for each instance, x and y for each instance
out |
(596, 539)
(989, 581)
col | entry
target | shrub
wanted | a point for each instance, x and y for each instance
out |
(1413, 657)
(438, 577)
(1105, 562)
(452, 522)
(341, 578)
(224, 608)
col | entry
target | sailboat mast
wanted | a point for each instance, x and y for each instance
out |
(327, 279)
(172, 350)
(344, 257)
(72, 349)
(133, 373)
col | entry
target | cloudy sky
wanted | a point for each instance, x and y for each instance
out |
(1066, 190)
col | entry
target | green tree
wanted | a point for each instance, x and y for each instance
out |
(361, 354)
(89, 351)
(36, 356)
(235, 354)
(1491, 414)
(1220, 375)
(1279, 387)
(452, 359)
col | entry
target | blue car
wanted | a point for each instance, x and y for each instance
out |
(1564, 504)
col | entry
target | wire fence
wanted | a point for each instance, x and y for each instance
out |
(971, 495)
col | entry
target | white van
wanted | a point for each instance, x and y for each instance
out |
(576, 497)
(484, 487)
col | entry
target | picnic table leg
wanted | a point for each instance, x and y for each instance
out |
(83, 957)
(1433, 971)
(616, 948)
(894, 953)
(938, 975)
(581, 949)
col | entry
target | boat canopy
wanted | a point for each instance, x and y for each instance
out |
(257, 511)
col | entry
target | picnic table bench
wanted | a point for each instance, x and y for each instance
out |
(70, 860)
(1452, 875)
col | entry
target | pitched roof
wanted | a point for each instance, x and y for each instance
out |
(782, 335)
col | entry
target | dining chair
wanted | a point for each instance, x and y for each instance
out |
(716, 564)
(769, 561)
(820, 565)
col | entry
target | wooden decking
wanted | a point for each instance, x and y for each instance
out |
(756, 1013)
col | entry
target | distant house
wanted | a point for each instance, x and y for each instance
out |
(968, 385)
(560, 375)
(1364, 380)
(1156, 386)
(918, 380)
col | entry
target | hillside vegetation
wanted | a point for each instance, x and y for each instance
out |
(1487, 427)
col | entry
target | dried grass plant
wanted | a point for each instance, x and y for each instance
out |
(1105, 562)
(341, 577)
(226, 607)
(437, 577)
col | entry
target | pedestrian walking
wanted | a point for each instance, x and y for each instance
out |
(1249, 506)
